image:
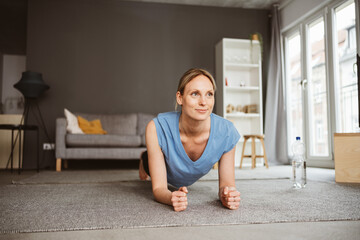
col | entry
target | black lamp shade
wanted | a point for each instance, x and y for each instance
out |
(31, 84)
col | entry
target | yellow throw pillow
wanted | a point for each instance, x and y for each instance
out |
(90, 127)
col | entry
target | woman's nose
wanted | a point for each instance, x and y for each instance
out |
(202, 100)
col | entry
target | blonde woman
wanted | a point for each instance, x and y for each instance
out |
(183, 146)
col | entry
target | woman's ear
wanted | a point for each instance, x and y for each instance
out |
(178, 98)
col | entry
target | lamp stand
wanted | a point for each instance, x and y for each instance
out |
(31, 85)
(30, 104)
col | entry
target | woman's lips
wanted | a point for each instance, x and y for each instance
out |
(201, 110)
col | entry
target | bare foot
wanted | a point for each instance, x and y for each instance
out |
(142, 173)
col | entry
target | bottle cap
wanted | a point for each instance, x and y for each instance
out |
(297, 138)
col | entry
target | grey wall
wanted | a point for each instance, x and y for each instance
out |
(13, 26)
(119, 57)
(12, 31)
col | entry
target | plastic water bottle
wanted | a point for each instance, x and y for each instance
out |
(299, 164)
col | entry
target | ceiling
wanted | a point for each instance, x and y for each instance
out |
(254, 4)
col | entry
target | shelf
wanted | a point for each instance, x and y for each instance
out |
(242, 115)
(239, 73)
(242, 65)
(249, 88)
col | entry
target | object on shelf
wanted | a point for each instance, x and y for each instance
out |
(252, 108)
(245, 109)
(239, 108)
(242, 83)
(226, 82)
(230, 108)
(13, 105)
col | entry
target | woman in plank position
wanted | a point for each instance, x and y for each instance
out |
(183, 146)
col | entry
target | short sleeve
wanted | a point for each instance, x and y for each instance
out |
(232, 137)
(159, 132)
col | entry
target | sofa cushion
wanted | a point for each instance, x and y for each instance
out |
(143, 120)
(143, 140)
(109, 140)
(121, 124)
(72, 125)
(91, 127)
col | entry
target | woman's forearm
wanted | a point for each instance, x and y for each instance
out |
(163, 195)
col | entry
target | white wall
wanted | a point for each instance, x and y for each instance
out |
(13, 66)
(293, 10)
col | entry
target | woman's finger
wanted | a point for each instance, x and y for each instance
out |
(183, 189)
(230, 191)
(178, 209)
(182, 199)
(178, 199)
(233, 199)
(226, 191)
(180, 204)
(179, 194)
(234, 193)
(233, 205)
(230, 199)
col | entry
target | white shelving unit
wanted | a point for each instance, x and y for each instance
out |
(239, 82)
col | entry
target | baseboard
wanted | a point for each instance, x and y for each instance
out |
(321, 163)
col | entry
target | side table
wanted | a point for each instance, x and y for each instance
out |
(347, 157)
(19, 128)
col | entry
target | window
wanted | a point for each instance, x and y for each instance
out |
(320, 64)
(317, 89)
(346, 89)
(293, 90)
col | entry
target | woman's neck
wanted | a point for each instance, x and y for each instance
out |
(191, 127)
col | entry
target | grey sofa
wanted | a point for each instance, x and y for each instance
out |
(125, 138)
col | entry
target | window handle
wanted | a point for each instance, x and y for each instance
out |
(355, 68)
(303, 83)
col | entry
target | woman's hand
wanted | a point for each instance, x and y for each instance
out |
(230, 197)
(179, 199)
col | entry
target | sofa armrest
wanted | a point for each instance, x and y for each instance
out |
(60, 138)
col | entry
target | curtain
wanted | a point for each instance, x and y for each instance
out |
(275, 116)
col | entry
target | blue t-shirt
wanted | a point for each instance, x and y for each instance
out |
(181, 170)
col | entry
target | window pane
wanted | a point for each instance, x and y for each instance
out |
(293, 89)
(317, 91)
(346, 78)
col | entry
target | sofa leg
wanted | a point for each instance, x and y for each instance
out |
(65, 163)
(58, 165)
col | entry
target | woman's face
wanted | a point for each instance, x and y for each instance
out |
(198, 99)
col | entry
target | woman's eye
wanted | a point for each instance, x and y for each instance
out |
(210, 94)
(194, 94)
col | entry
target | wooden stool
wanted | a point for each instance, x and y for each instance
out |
(253, 155)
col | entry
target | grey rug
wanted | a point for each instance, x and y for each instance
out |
(64, 207)
(107, 176)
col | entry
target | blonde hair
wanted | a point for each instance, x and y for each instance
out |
(190, 75)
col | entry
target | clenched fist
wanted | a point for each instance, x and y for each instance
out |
(179, 199)
(230, 197)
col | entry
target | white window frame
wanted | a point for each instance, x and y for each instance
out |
(326, 11)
